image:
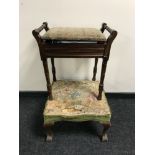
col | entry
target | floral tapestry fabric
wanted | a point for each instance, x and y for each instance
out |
(76, 101)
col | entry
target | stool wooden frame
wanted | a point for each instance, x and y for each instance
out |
(53, 49)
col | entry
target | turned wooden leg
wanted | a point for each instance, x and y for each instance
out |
(53, 69)
(95, 69)
(48, 132)
(100, 92)
(104, 134)
(101, 85)
(49, 89)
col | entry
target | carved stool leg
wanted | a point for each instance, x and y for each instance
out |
(104, 134)
(95, 69)
(48, 132)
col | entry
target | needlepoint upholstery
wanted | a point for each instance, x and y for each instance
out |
(70, 33)
(76, 101)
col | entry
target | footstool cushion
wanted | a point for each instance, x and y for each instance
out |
(76, 101)
(72, 34)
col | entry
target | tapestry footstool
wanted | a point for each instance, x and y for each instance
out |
(76, 101)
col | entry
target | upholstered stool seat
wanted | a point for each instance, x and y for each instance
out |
(72, 34)
(76, 101)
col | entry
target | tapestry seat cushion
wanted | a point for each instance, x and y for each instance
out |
(76, 101)
(71, 34)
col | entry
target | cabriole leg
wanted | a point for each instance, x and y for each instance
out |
(105, 129)
(48, 132)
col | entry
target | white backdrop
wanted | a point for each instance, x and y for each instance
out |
(118, 14)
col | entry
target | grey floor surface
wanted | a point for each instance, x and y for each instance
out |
(76, 138)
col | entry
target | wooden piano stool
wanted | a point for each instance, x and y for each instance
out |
(70, 100)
